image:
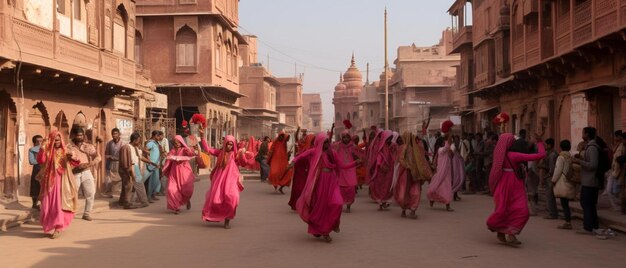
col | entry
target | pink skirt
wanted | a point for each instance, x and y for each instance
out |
(511, 212)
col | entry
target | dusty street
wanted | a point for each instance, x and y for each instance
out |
(266, 233)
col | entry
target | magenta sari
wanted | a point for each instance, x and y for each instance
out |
(222, 198)
(509, 193)
(347, 177)
(180, 176)
(440, 187)
(382, 170)
(321, 203)
(58, 192)
(300, 173)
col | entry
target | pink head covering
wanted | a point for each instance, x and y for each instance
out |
(180, 139)
(314, 170)
(499, 156)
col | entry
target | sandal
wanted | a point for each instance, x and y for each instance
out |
(511, 240)
(55, 235)
(328, 239)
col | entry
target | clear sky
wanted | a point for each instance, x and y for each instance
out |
(320, 36)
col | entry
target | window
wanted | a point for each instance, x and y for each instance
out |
(564, 7)
(77, 10)
(119, 31)
(138, 56)
(228, 58)
(218, 52)
(316, 123)
(61, 6)
(185, 50)
(235, 63)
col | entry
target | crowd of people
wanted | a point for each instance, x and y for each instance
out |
(324, 176)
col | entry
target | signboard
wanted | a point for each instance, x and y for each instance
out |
(456, 120)
(126, 128)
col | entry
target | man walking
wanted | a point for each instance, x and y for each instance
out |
(262, 158)
(130, 173)
(111, 156)
(589, 182)
(547, 170)
(88, 157)
(152, 177)
(32, 160)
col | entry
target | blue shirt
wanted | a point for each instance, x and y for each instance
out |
(155, 152)
(32, 155)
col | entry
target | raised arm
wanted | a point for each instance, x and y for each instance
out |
(305, 155)
(341, 165)
(522, 157)
(206, 148)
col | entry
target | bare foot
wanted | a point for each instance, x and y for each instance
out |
(448, 208)
(281, 189)
(348, 209)
(328, 239)
(337, 230)
(432, 203)
(501, 237)
(413, 214)
(227, 224)
(55, 235)
(403, 215)
(188, 205)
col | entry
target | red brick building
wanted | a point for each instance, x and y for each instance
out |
(559, 64)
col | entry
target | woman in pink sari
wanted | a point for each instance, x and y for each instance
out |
(222, 198)
(321, 202)
(251, 152)
(440, 187)
(301, 171)
(381, 169)
(180, 175)
(347, 152)
(509, 193)
(58, 193)
(413, 171)
(458, 169)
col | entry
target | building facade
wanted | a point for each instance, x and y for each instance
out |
(64, 64)
(552, 64)
(192, 51)
(289, 103)
(259, 116)
(346, 98)
(312, 109)
(422, 86)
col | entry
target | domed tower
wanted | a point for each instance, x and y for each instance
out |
(346, 98)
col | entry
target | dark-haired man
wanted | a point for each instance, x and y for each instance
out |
(130, 172)
(589, 183)
(111, 156)
(547, 170)
(88, 157)
(32, 160)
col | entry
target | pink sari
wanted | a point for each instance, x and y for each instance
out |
(180, 175)
(58, 194)
(440, 187)
(321, 203)
(222, 198)
(300, 173)
(382, 169)
(347, 177)
(509, 193)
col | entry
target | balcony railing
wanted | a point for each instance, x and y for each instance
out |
(462, 37)
(49, 49)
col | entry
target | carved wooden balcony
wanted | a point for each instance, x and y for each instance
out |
(462, 38)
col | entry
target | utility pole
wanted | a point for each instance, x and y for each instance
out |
(386, 77)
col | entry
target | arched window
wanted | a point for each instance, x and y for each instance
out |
(186, 50)
(218, 52)
(229, 59)
(119, 30)
(138, 55)
(235, 61)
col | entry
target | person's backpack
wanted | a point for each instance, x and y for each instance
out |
(604, 164)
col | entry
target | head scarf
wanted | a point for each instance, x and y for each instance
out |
(251, 145)
(499, 157)
(314, 170)
(306, 144)
(50, 164)
(414, 158)
(180, 139)
(224, 157)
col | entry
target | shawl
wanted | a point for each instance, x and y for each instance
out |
(314, 170)
(499, 157)
(47, 158)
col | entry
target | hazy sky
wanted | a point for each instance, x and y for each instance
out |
(320, 36)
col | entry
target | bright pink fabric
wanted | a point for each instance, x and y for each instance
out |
(52, 216)
(301, 172)
(511, 206)
(440, 187)
(180, 176)
(458, 171)
(222, 198)
(348, 194)
(382, 170)
(407, 193)
(321, 202)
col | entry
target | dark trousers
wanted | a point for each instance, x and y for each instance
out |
(589, 203)
(35, 187)
(265, 169)
(550, 199)
(566, 209)
(127, 188)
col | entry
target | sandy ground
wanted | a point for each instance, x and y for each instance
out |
(266, 233)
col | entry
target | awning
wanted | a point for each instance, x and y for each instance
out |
(488, 109)
(496, 84)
